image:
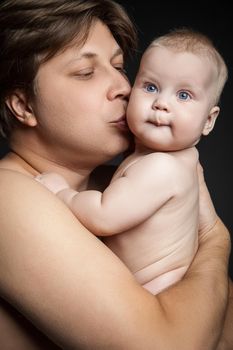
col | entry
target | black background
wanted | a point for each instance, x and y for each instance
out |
(154, 18)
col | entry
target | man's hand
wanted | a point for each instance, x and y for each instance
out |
(207, 213)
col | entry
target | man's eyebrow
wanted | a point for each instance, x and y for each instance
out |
(87, 54)
(90, 54)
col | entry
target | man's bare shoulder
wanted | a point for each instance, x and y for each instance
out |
(9, 175)
(28, 208)
(18, 185)
(23, 199)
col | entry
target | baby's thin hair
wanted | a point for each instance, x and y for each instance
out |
(189, 40)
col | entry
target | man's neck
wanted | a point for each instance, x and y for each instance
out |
(32, 163)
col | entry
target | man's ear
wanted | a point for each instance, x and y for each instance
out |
(18, 104)
(208, 127)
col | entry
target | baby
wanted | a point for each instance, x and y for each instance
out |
(148, 215)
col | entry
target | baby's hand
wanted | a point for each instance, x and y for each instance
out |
(53, 181)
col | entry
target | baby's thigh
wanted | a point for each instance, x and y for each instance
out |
(158, 284)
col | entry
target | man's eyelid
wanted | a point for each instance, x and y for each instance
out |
(120, 66)
(118, 60)
(83, 69)
(85, 72)
(118, 57)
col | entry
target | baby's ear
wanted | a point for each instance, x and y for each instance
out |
(208, 127)
(20, 107)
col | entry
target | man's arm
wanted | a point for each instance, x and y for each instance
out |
(207, 211)
(73, 288)
(226, 340)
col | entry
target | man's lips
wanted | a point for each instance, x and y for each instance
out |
(121, 123)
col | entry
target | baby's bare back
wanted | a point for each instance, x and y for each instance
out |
(159, 250)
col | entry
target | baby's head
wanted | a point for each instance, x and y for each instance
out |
(176, 91)
(189, 40)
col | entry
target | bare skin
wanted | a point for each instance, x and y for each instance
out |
(161, 255)
(148, 215)
(58, 274)
(37, 299)
(227, 336)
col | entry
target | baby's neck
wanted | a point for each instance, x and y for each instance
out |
(141, 149)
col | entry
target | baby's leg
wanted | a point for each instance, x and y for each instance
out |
(165, 280)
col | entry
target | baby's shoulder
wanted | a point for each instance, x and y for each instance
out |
(154, 166)
(158, 159)
(168, 164)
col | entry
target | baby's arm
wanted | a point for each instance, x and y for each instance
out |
(127, 201)
(58, 185)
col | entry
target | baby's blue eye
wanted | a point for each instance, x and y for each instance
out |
(183, 95)
(151, 87)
